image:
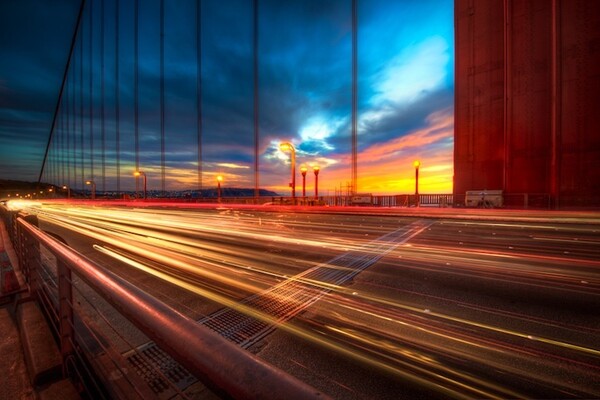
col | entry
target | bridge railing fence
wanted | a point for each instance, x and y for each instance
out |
(510, 200)
(97, 317)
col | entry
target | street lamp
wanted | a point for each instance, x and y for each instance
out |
(68, 189)
(143, 175)
(219, 180)
(287, 146)
(93, 188)
(303, 169)
(316, 170)
(417, 163)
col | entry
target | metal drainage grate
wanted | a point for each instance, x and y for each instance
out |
(280, 303)
(159, 370)
(284, 301)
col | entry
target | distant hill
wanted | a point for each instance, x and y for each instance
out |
(10, 187)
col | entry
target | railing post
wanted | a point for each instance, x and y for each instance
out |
(29, 256)
(20, 250)
(65, 312)
(14, 230)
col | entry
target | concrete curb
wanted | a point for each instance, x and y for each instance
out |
(14, 379)
(10, 264)
(42, 357)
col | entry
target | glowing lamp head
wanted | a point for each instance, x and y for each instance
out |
(286, 146)
(88, 182)
(417, 164)
(303, 169)
(316, 169)
(65, 187)
(219, 178)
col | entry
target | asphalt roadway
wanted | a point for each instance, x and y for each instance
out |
(479, 304)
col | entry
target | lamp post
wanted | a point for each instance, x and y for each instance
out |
(287, 146)
(303, 169)
(143, 175)
(219, 180)
(316, 170)
(93, 188)
(417, 163)
(68, 189)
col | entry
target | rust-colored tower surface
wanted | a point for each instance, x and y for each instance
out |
(527, 102)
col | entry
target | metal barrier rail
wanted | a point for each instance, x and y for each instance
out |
(222, 366)
(511, 200)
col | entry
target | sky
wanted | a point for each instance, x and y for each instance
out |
(405, 93)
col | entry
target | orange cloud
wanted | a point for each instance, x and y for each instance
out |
(387, 168)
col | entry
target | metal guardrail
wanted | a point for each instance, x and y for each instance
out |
(225, 368)
(400, 200)
(511, 200)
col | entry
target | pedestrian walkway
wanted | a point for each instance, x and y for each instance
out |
(14, 378)
(9, 279)
(25, 339)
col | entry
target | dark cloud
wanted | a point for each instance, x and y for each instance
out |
(304, 75)
(34, 49)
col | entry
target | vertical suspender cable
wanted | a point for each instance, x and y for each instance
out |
(74, 120)
(91, 105)
(66, 142)
(102, 115)
(162, 96)
(73, 134)
(68, 133)
(76, 123)
(354, 96)
(52, 164)
(135, 90)
(256, 101)
(117, 111)
(62, 86)
(199, 88)
(61, 145)
(59, 174)
(72, 137)
(76, 135)
(81, 136)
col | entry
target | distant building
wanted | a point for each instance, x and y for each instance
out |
(527, 102)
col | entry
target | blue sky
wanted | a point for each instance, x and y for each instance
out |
(405, 87)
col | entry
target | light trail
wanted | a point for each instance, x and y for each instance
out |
(430, 339)
(524, 271)
(323, 341)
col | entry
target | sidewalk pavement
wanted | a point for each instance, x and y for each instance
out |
(14, 378)
(10, 278)
(30, 363)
